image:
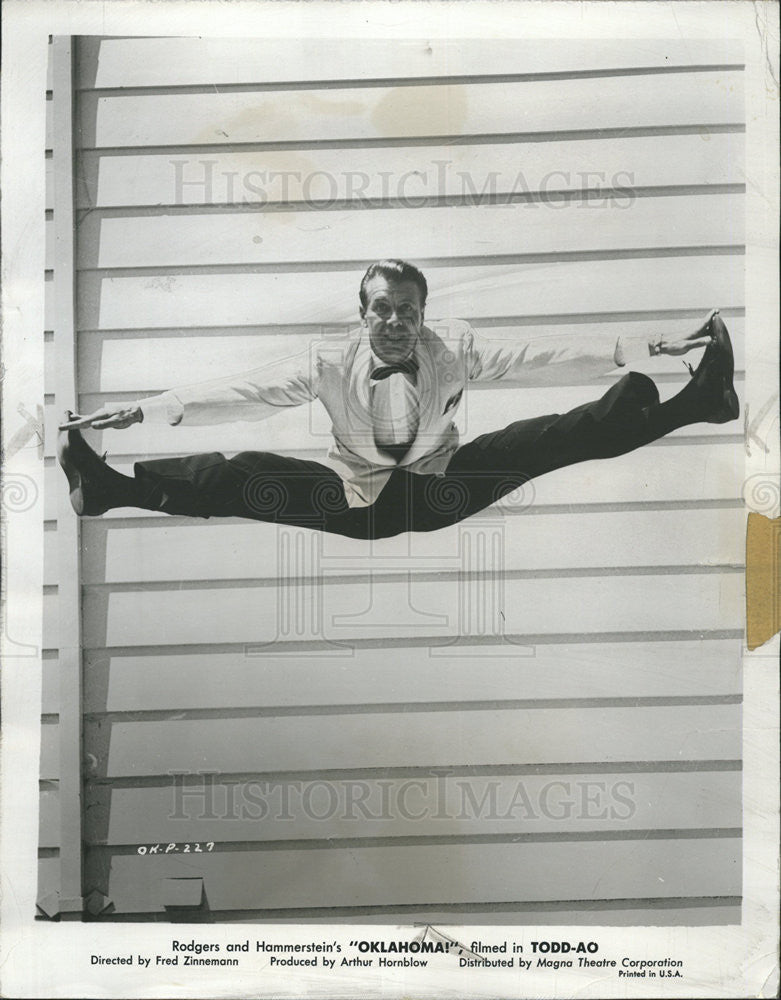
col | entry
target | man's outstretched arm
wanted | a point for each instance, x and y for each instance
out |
(557, 360)
(253, 395)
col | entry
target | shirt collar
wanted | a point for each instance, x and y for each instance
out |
(412, 359)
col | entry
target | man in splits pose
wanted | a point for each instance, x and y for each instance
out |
(391, 389)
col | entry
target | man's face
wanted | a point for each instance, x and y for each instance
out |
(394, 316)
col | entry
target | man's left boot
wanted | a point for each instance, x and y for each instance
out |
(709, 397)
(713, 378)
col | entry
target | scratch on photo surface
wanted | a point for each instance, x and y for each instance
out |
(762, 32)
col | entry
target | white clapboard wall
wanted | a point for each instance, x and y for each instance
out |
(581, 640)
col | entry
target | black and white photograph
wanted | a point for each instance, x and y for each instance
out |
(378, 460)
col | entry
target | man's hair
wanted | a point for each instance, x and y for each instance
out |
(394, 270)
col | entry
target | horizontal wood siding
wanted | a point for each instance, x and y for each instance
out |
(422, 111)
(457, 173)
(231, 194)
(212, 239)
(472, 292)
(700, 800)
(380, 608)
(243, 680)
(115, 553)
(124, 63)
(433, 874)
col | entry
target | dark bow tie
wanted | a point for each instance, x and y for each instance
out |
(408, 367)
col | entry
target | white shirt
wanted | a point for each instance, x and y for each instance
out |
(395, 408)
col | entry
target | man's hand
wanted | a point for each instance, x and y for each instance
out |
(701, 337)
(106, 417)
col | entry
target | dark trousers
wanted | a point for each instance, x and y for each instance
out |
(268, 487)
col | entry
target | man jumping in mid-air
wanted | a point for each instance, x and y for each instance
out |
(391, 389)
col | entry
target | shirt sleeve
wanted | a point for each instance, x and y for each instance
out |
(165, 408)
(253, 395)
(551, 360)
(633, 349)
